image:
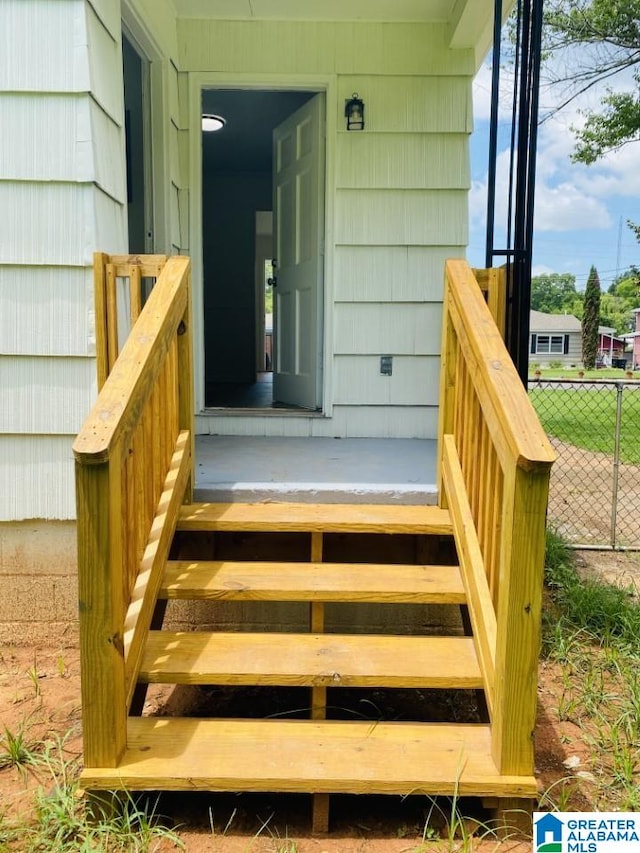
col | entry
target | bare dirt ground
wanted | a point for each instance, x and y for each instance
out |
(40, 695)
(581, 497)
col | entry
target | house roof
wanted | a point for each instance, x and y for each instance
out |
(541, 322)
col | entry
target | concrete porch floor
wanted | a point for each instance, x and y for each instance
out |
(325, 470)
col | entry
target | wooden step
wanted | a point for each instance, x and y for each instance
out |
(315, 518)
(361, 582)
(308, 756)
(330, 660)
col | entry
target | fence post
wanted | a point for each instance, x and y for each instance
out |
(616, 464)
(101, 610)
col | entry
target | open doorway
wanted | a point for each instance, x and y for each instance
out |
(263, 215)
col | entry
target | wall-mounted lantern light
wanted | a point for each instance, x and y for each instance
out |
(354, 112)
(212, 122)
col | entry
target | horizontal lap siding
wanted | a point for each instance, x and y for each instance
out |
(391, 273)
(45, 395)
(46, 311)
(62, 196)
(401, 210)
(36, 472)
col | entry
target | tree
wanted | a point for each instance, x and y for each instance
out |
(599, 39)
(591, 320)
(554, 293)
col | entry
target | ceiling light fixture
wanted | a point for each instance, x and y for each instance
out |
(211, 123)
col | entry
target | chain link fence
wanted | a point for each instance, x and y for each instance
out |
(594, 427)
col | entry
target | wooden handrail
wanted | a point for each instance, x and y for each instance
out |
(514, 425)
(494, 463)
(118, 405)
(134, 468)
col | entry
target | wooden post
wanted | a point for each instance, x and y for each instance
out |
(518, 619)
(101, 606)
(448, 387)
(100, 261)
(185, 382)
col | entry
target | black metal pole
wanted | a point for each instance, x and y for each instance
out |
(493, 133)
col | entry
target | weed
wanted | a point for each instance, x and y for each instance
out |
(557, 797)
(34, 678)
(61, 821)
(62, 667)
(280, 845)
(18, 751)
(591, 634)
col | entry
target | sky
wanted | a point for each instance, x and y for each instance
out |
(580, 211)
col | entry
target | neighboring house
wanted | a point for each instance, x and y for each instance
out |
(555, 338)
(102, 149)
(610, 346)
(634, 340)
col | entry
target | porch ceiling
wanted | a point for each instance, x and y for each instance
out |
(469, 20)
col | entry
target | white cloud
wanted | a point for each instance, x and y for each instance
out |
(541, 269)
(571, 198)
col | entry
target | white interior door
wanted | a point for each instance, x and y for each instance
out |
(298, 205)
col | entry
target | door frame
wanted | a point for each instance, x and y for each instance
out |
(273, 82)
(134, 27)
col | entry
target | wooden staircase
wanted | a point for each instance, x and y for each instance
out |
(143, 543)
(315, 755)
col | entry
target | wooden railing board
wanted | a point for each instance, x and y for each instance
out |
(149, 576)
(101, 611)
(494, 374)
(481, 612)
(117, 410)
(184, 379)
(100, 300)
(518, 619)
(495, 461)
(123, 453)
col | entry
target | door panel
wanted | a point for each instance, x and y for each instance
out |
(298, 231)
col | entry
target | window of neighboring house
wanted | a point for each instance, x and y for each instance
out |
(550, 344)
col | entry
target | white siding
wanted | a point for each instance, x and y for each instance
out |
(402, 217)
(37, 477)
(391, 273)
(387, 329)
(43, 396)
(414, 381)
(58, 223)
(347, 422)
(62, 196)
(104, 52)
(407, 161)
(47, 311)
(43, 46)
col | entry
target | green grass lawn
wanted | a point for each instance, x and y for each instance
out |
(587, 417)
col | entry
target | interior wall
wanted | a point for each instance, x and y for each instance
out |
(229, 212)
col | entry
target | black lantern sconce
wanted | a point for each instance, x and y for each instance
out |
(354, 112)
